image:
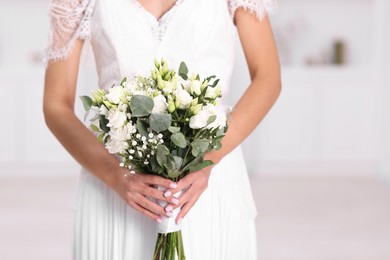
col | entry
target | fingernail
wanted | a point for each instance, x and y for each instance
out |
(169, 214)
(173, 185)
(175, 201)
(179, 220)
(159, 220)
(169, 208)
(167, 194)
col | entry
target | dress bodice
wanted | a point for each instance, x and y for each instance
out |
(126, 38)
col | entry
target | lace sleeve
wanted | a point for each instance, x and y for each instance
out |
(259, 7)
(70, 20)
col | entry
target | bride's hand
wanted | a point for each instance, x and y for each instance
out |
(136, 188)
(194, 184)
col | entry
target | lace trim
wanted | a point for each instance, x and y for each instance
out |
(70, 20)
(259, 7)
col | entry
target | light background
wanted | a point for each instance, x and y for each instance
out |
(330, 123)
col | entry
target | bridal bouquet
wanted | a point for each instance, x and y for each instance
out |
(163, 124)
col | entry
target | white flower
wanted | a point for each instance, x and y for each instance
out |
(160, 104)
(115, 94)
(218, 111)
(199, 120)
(184, 98)
(195, 87)
(212, 92)
(103, 111)
(117, 141)
(116, 118)
(169, 87)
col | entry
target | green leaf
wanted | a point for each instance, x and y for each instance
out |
(199, 146)
(141, 126)
(141, 105)
(123, 81)
(215, 83)
(95, 128)
(87, 102)
(198, 166)
(183, 70)
(103, 124)
(86, 115)
(173, 129)
(161, 159)
(179, 140)
(178, 162)
(100, 137)
(96, 117)
(162, 149)
(160, 122)
(211, 119)
(172, 174)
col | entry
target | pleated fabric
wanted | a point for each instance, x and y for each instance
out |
(220, 226)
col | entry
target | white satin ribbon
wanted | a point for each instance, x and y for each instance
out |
(168, 224)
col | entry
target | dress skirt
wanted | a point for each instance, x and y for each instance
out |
(221, 225)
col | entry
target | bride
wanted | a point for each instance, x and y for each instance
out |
(114, 218)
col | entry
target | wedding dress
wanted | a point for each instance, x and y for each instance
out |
(126, 38)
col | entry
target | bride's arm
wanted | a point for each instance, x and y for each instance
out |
(59, 98)
(261, 55)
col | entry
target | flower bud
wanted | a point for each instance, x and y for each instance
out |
(165, 69)
(108, 104)
(154, 75)
(194, 102)
(98, 97)
(171, 106)
(157, 63)
(155, 93)
(195, 109)
(177, 102)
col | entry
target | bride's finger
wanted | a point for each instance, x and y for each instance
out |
(157, 180)
(155, 193)
(151, 206)
(144, 211)
(185, 209)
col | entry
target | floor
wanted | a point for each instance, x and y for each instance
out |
(318, 218)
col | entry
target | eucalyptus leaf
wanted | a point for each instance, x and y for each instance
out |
(178, 162)
(198, 166)
(96, 117)
(179, 140)
(183, 70)
(141, 106)
(173, 129)
(161, 159)
(162, 149)
(160, 122)
(87, 102)
(211, 119)
(172, 174)
(141, 126)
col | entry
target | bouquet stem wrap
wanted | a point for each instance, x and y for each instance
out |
(169, 244)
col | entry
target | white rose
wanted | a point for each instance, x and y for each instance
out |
(116, 118)
(199, 120)
(195, 87)
(115, 94)
(160, 104)
(184, 98)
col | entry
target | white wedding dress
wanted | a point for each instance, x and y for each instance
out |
(125, 39)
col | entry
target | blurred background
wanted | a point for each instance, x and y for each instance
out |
(319, 162)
